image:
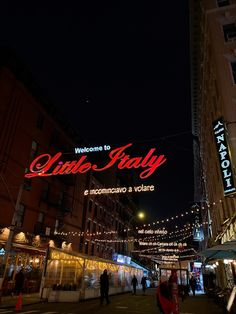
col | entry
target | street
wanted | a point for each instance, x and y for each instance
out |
(123, 303)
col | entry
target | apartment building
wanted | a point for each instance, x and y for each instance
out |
(213, 64)
(48, 210)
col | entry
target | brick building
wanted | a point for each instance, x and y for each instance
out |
(49, 210)
(213, 60)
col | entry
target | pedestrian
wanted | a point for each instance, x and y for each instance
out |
(144, 284)
(164, 298)
(193, 283)
(104, 287)
(19, 281)
(134, 283)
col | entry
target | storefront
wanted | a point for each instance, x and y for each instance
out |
(195, 270)
(28, 258)
(26, 253)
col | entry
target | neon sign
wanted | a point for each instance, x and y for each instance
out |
(224, 156)
(47, 165)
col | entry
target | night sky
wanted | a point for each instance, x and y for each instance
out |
(120, 73)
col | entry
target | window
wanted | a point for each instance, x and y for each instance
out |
(229, 32)
(92, 249)
(54, 139)
(86, 247)
(40, 121)
(41, 217)
(222, 3)
(90, 205)
(27, 182)
(46, 190)
(94, 227)
(233, 68)
(20, 216)
(95, 211)
(34, 148)
(88, 227)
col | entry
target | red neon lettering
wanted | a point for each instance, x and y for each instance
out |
(46, 165)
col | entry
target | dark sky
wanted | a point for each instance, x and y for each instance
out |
(120, 73)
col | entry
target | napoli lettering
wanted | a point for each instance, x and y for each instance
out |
(47, 165)
(224, 156)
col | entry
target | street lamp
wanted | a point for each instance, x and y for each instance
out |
(139, 215)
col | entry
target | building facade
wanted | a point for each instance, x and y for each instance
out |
(213, 62)
(52, 210)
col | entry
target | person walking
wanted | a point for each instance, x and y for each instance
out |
(144, 284)
(104, 287)
(164, 298)
(134, 283)
(193, 283)
(19, 281)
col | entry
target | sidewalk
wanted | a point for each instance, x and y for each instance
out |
(200, 304)
(10, 301)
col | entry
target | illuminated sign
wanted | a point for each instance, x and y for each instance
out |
(47, 165)
(224, 156)
(81, 150)
(198, 234)
(150, 231)
(118, 190)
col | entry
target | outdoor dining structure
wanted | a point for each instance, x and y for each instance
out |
(70, 276)
(220, 267)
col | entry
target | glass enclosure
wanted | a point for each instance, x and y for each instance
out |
(72, 271)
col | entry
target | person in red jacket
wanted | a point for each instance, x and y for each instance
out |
(164, 297)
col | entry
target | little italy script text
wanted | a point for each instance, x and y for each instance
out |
(47, 165)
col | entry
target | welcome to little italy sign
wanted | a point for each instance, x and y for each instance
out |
(48, 165)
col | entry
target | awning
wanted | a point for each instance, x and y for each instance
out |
(229, 230)
(222, 251)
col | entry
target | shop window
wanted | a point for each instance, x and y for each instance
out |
(229, 32)
(222, 3)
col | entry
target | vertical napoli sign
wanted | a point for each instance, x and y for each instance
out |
(224, 156)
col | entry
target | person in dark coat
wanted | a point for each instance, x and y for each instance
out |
(193, 283)
(134, 283)
(19, 281)
(144, 284)
(104, 287)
